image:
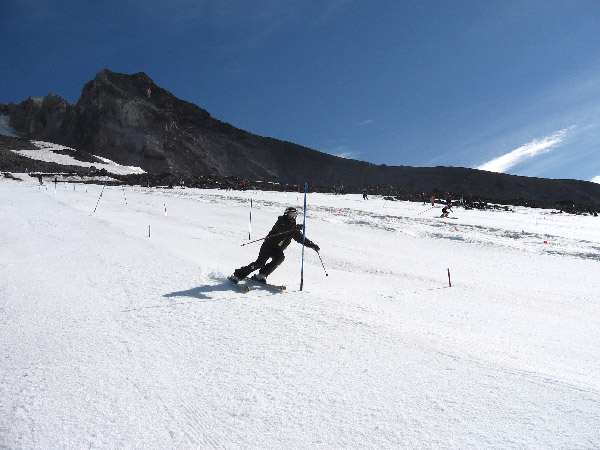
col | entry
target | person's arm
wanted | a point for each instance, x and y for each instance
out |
(297, 236)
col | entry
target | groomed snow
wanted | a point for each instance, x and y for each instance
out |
(111, 338)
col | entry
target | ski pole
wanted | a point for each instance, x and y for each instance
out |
(326, 274)
(267, 236)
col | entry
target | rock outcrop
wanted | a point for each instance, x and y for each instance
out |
(132, 121)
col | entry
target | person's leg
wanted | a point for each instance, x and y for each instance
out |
(260, 262)
(277, 258)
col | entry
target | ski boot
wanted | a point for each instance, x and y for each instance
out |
(260, 278)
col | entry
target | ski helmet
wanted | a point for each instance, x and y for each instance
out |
(291, 212)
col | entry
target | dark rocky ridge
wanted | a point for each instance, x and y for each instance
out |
(11, 162)
(128, 119)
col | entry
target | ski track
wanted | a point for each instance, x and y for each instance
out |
(113, 339)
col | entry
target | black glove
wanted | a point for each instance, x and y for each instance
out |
(316, 248)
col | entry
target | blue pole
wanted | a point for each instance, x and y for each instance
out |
(303, 238)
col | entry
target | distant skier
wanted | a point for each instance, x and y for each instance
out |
(364, 193)
(280, 236)
(446, 210)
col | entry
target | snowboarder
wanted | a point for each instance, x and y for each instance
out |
(364, 193)
(280, 236)
(446, 210)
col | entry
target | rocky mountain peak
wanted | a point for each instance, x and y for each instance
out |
(121, 85)
(134, 122)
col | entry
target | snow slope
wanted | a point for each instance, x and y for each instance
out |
(47, 152)
(111, 338)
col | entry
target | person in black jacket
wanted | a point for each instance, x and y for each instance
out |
(280, 236)
(446, 210)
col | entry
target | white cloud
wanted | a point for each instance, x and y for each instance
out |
(527, 151)
(596, 179)
(5, 128)
(366, 122)
(343, 152)
(347, 155)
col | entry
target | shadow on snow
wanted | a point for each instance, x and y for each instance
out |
(224, 285)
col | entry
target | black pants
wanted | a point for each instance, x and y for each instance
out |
(266, 251)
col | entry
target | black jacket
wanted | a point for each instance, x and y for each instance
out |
(283, 232)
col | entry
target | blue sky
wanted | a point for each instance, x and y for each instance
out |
(507, 85)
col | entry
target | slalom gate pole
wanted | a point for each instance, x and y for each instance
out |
(267, 236)
(101, 192)
(449, 282)
(425, 210)
(303, 238)
(326, 274)
(250, 223)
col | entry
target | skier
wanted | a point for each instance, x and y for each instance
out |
(446, 210)
(280, 236)
(364, 193)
